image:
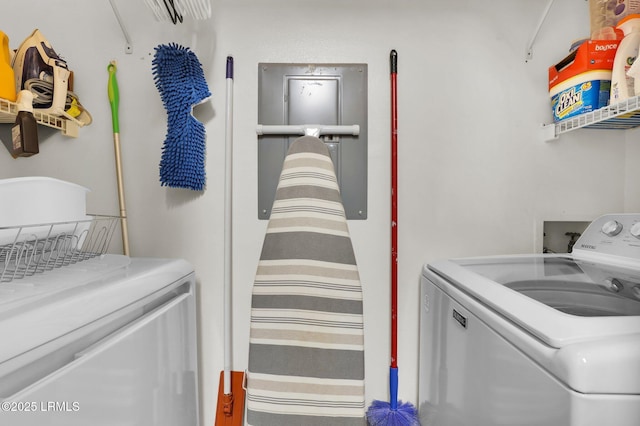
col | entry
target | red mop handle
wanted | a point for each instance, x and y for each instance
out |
(394, 210)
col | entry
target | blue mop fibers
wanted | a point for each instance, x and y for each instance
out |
(179, 78)
(393, 413)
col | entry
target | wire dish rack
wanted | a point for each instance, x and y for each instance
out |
(33, 249)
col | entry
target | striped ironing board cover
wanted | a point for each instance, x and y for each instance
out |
(306, 346)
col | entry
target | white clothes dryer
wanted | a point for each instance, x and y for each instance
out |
(106, 341)
(535, 340)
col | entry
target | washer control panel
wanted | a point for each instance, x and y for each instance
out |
(614, 234)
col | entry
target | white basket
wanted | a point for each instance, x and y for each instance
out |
(36, 200)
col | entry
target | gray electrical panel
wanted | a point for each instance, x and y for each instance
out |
(317, 94)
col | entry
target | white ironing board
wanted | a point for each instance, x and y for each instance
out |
(306, 347)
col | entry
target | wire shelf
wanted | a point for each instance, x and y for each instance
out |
(34, 249)
(621, 116)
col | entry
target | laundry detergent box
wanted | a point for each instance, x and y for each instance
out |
(581, 82)
(589, 93)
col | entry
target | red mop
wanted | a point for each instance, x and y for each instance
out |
(382, 413)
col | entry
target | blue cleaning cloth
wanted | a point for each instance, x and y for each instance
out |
(179, 78)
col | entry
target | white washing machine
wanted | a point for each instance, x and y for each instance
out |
(106, 341)
(535, 340)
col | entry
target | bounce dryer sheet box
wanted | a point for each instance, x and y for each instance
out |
(581, 82)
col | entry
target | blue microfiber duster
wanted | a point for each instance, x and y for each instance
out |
(178, 75)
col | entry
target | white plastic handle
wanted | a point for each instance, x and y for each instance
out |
(307, 129)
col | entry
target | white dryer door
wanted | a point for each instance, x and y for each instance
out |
(143, 374)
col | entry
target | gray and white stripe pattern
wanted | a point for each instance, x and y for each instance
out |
(306, 347)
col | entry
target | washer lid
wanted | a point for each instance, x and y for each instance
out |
(558, 299)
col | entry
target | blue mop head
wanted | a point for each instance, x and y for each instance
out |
(394, 413)
(179, 78)
(380, 413)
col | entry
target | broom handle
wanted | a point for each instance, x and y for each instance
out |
(394, 210)
(114, 101)
(393, 369)
(228, 199)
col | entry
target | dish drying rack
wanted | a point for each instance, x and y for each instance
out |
(34, 249)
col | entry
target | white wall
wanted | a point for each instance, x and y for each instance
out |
(475, 176)
(632, 186)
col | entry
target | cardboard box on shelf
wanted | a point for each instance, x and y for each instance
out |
(581, 81)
